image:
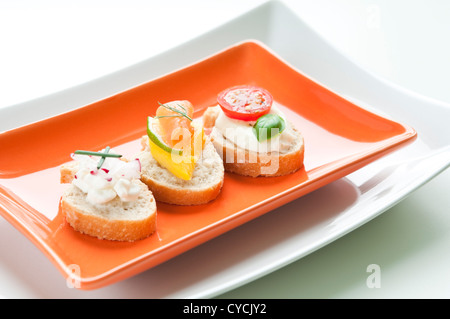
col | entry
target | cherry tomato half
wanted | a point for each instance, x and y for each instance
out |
(245, 102)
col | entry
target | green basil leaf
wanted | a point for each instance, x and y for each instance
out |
(268, 126)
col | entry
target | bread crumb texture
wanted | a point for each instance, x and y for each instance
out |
(115, 220)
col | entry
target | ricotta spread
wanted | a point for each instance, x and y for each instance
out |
(241, 133)
(114, 178)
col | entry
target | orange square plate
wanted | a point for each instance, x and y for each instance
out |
(340, 137)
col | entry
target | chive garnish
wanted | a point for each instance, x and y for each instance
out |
(177, 111)
(103, 155)
(97, 154)
(102, 159)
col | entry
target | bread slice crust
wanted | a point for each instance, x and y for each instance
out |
(205, 185)
(253, 164)
(114, 220)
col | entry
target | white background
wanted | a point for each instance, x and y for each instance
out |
(48, 46)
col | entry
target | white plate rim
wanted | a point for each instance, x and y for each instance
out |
(439, 156)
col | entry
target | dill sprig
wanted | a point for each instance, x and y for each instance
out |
(162, 116)
(184, 114)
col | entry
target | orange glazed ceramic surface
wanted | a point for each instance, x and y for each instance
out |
(339, 136)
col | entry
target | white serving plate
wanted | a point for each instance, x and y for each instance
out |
(292, 231)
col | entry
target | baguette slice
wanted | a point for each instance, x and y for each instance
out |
(205, 185)
(115, 220)
(247, 163)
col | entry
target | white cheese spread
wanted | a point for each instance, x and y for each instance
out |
(241, 133)
(114, 178)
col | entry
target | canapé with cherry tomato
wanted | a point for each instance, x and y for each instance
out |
(252, 134)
